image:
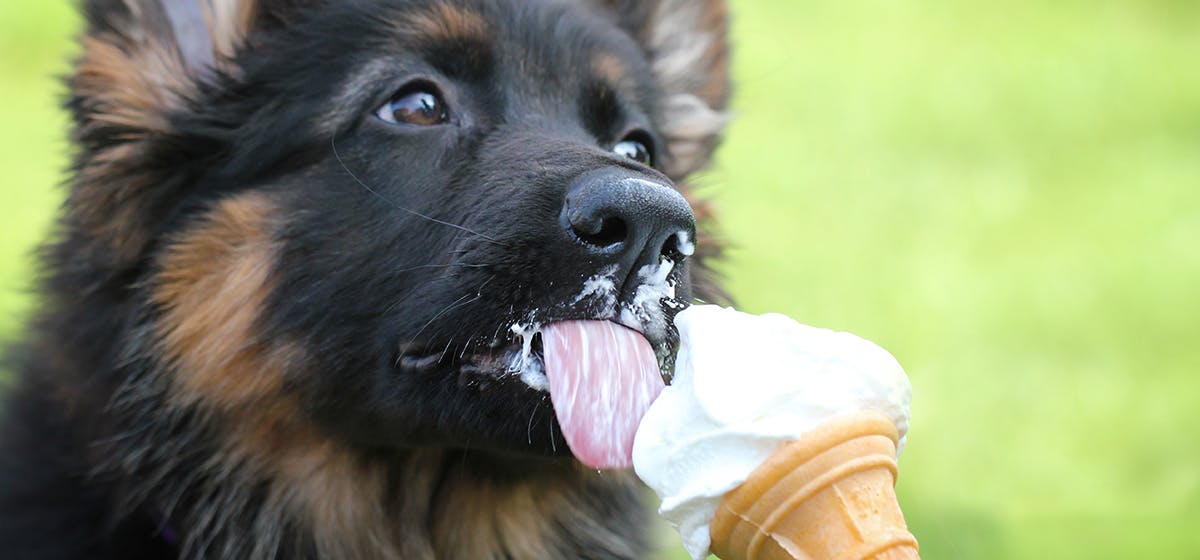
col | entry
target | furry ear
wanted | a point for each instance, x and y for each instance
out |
(141, 61)
(686, 42)
(230, 23)
(204, 33)
(208, 30)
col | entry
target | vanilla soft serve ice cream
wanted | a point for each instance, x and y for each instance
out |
(744, 386)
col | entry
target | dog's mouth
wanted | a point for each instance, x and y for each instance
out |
(602, 355)
(517, 349)
(520, 354)
(525, 353)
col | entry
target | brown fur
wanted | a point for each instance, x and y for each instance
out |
(690, 34)
(344, 498)
(268, 478)
(212, 283)
(337, 493)
(129, 88)
(508, 515)
(211, 289)
(229, 22)
(126, 92)
(683, 35)
(609, 68)
(446, 22)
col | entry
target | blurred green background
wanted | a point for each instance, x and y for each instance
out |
(1004, 194)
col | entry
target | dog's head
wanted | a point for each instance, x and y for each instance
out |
(346, 214)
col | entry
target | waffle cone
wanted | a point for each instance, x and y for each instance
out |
(827, 496)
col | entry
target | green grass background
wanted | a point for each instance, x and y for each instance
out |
(1004, 194)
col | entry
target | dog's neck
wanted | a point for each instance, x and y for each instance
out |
(277, 488)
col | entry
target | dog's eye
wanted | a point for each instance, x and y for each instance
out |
(634, 149)
(418, 107)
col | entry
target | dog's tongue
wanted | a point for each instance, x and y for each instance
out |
(603, 377)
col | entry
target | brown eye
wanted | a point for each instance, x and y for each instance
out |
(416, 107)
(635, 150)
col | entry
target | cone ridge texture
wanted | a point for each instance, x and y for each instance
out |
(828, 496)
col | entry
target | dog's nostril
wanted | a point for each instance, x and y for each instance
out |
(678, 246)
(624, 219)
(602, 233)
(670, 248)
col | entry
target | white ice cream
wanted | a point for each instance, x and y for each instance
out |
(744, 386)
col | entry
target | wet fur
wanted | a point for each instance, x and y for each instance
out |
(201, 380)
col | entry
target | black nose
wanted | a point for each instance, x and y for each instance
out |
(629, 218)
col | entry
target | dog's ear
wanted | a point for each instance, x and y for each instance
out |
(202, 34)
(686, 43)
(141, 62)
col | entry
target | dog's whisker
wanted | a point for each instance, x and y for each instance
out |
(338, 157)
(448, 265)
(185, 353)
(553, 446)
(404, 298)
(410, 293)
(529, 427)
(458, 302)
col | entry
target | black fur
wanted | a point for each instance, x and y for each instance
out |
(381, 417)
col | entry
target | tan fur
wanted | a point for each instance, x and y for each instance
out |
(212, 282)
(690, 35)
(131, 90)
(684, 36)
(214, 278)
(229, 23)
(692, 129)
(610, 68)
(109, 211)
(130, 81)
(338, 494)
(211, 286)
(687, 43)
(514, 518)
(344, 498)
(129, 87)
(449, 23)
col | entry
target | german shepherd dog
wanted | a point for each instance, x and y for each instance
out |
(286, 311)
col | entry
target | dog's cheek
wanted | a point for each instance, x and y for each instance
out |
(212, 283)
(211, 290)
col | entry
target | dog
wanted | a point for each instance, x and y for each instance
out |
(286, 312)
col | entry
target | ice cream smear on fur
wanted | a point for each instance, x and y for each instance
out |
(744, 386)
(602, 374)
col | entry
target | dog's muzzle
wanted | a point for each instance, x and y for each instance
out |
(623, 218)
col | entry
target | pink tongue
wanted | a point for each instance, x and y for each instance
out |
(603, 377)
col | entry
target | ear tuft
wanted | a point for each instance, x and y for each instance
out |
(687, 45)
(689, 48)
(692, 129)
(141, 62)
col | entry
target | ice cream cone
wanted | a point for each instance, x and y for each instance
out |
(827, 496)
